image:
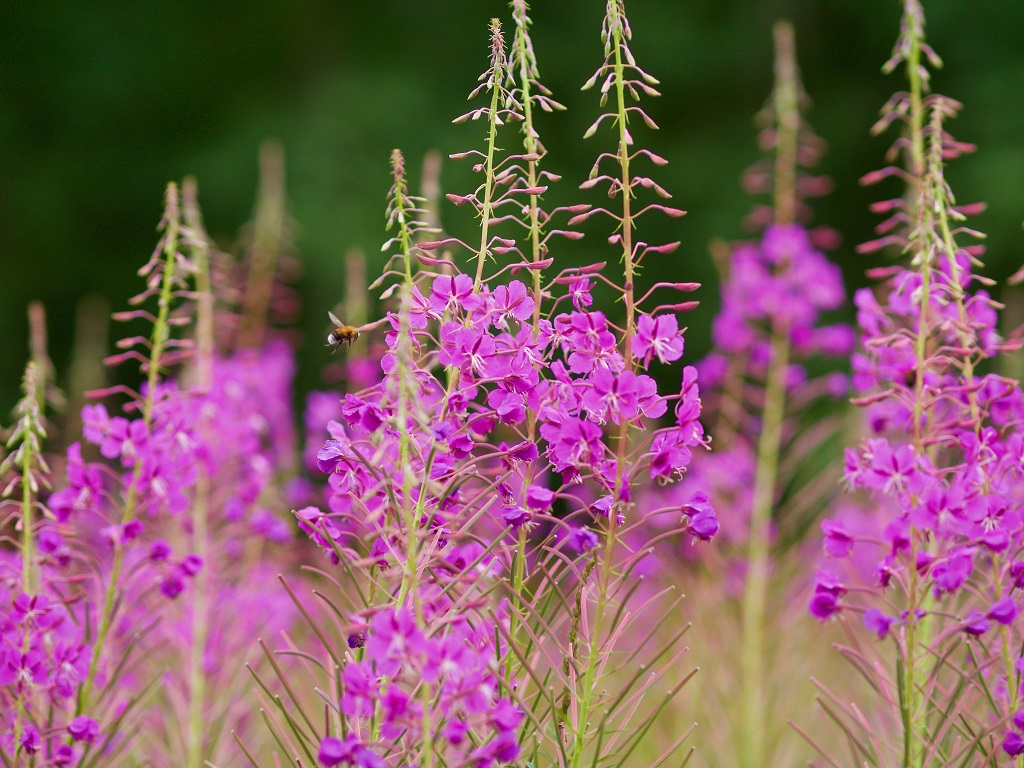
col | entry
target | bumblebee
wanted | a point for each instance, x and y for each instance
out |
(342, 333)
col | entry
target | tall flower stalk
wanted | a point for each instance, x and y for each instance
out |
(163, 277)
(939, 464)
(643, 336)
(768, 475)
(189, 466)
(30, 468)
(755, 593)
(204, 361)
(477, 490)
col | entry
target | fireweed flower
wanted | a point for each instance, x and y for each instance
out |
(113, 564)
(49, 671)
(498, 453)
(458, 665)
(940, 463)
(773, 329)
(780, 288)
(657, 337)
(347, 751)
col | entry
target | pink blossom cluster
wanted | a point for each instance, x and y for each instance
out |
(473, 723)
(237, 432)
(955, 517)
(43, 660)
(567, 370)
(939, 470)
(781, 281)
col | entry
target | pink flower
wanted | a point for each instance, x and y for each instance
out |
(657, 337)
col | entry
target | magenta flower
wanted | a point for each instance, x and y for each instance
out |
(949, 574)
(511, 301)
(657, 337)
(333, 454)
(838, 543)
(582, 539)
(976, 624)
(84, 728)
(823, 605)
(172, 584)
(348, 751)
(573, 445)
(466, 347)
(514, 515)
(360, 691)
(455, 731)
(587, 340)
(20, 669)
(85, 487)
(670, 455)
(31, 610)
(702, 522)
(95, 423)
(52, 543)
(355, 411)
(828, 588)
(611, 395)
(125, 440)
(579, 292)
(392, 638)
(399, 710)
(878, 623)
(1003, 611)
(421, 310)
(539, 498)
(30, 741)
(525, 451)
(1013, 744)
(71, 664)
(893, 469)
(453, 295)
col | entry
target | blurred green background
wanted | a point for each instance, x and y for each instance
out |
(101, 103)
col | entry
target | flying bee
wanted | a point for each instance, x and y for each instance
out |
(342, 333)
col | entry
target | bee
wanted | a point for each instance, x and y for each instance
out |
(342, 334)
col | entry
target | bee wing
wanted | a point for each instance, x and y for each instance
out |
(336, 321)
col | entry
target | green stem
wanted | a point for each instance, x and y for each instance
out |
(27, 548)
(532, 148)
(755, 594)
(753, 747)
(910, 683)
(411, 513)
(161, 333)
(200, 510)
(585, 702)
(268, 239)
(486, 209)
(200, 629)
(787, 116)
(27, 555)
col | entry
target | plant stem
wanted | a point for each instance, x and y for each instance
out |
(486, 210)
(533, 150)
(585, 703)
(27, 548)
(911, 686)
(200, 508)
(755, 593)
(753, 748)
(161, 333)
